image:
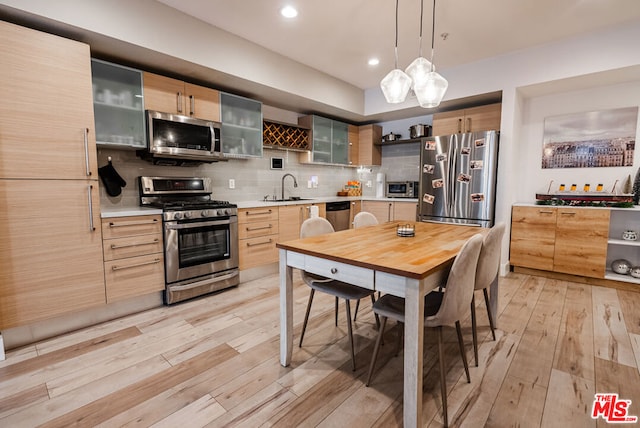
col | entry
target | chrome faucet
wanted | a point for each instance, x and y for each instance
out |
(295, 182)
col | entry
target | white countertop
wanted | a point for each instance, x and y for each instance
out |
(128, 211)
(108, 212)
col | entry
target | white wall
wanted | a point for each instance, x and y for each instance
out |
(534, 178)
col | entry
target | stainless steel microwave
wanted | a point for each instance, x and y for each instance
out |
(181, 140)
(402, 189)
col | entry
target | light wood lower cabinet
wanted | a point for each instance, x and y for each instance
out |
(391, 210)
(292, 217)
(50, 254)
(559, 239)
(257, 236)
(355, 208)
(133, 256)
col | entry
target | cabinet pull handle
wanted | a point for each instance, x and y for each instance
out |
(468, 124)
(389, 212)
(253, 244)
(251, 229)
(545, 212)
(133, 223)
(459, 126)
(257, 212)
(92, 227)
(192, 105)
(334, 270)
(570, 213)
(135, 244)
(86, 151)
(152, 262)
(179, 102)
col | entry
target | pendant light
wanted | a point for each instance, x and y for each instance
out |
(430, 92)
(419, 69)
(395, 85)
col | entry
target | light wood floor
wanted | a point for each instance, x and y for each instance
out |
(214, 362)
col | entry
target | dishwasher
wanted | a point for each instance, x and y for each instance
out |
(338, 214)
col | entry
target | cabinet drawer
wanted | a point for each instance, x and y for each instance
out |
(342, 272)
(258, 251)
(121, 248)
(257, 229)
(135, 276)
(250, 215)
(131, 226)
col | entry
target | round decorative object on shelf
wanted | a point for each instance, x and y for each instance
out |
(630, 235)
(635, 272)
(621, 266)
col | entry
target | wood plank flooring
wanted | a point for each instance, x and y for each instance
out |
(214, 362)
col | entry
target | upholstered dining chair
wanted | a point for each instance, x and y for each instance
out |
(486, 273)
(318, 226)
(440, 308)
(363, 219)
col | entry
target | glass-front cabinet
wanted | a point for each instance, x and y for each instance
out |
(241, 131)
(329, 140)
(118, 105)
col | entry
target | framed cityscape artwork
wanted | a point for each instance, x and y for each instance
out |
(604, 138)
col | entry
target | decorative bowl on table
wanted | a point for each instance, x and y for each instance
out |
(621, 266)
(405, 230)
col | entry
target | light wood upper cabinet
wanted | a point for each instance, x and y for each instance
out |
(581, 241)
(50, 258)
(369, 152)
(533, 237)
(169, 95)
(354, 145)
(559, 239)
(46, 107)
(482, 118)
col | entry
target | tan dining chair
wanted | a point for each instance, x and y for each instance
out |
(440, 308)
(318, 226)
(363, 219)
(486, 273)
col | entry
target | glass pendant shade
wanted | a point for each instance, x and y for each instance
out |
(418, 71)
(395, 86)
(431, 93)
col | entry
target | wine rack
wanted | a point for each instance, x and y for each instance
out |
(284, 136)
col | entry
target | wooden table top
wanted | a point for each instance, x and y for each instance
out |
(434, 246)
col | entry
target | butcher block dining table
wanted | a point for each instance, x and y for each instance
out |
(376, 258)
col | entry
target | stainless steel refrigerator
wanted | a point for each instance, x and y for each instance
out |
(458, 178)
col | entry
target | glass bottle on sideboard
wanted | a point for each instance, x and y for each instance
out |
(118, 105)
(241, 130)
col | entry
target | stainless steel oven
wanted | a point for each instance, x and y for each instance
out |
(200, 236)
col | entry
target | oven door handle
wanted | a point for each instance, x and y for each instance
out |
(203, 282)
(172, 226)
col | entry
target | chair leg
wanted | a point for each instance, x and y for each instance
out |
(336, 311)
(486, 302)
(474, 328)
(443, 377)
(353, 353)
(306, 316)
(462, 353)
(376, 349)
(373, 300)
(355, 314)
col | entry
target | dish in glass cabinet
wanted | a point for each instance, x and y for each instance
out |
(630, 235)
(635, 272)
(621, 266)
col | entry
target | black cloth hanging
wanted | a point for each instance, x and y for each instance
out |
(113, 182)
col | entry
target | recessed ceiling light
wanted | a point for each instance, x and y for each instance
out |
(374, 61)
(289, 12)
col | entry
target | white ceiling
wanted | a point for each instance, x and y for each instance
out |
(337, 37)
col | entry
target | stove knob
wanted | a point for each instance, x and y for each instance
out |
(177, 216)
(204, 213)
(187, 214)
(228, 211)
